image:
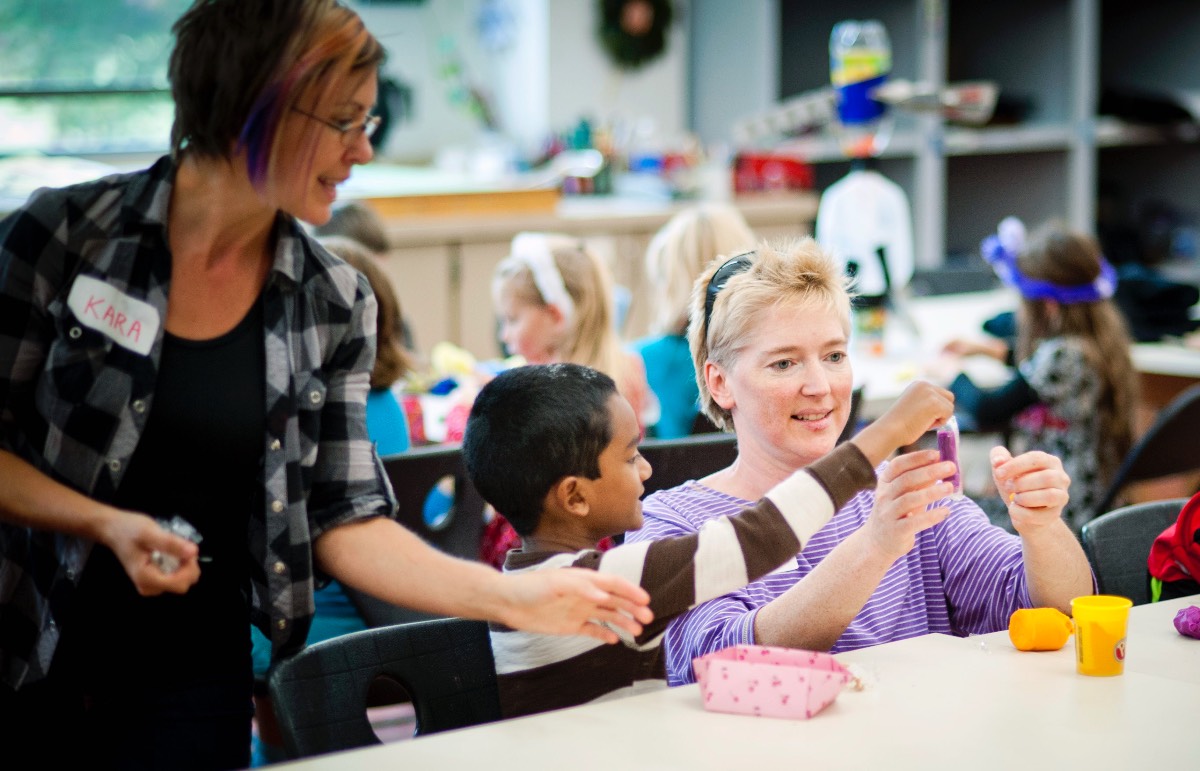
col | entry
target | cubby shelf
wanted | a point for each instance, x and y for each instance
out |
(1052, 60)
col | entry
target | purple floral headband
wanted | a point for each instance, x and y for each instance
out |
(1001, 252)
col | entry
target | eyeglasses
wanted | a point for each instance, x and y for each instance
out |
(733, 266)
(349, 129)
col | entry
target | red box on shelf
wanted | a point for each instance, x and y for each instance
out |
(758, 172)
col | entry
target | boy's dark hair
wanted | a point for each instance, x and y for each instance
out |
(532, 426)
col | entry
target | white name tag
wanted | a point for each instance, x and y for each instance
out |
(132, 323)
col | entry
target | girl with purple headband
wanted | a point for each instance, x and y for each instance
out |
(1074, 391)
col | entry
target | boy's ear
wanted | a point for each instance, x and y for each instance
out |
(570, 494)
(718, 386)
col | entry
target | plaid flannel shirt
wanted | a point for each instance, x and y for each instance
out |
(73, 401)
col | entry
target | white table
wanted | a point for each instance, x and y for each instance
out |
(931, 702)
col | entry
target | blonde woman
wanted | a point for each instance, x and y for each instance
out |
(676, 256)
(769, 333)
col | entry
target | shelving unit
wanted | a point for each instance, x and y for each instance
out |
(1054, 57)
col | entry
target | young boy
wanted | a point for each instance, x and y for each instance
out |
(555, 448)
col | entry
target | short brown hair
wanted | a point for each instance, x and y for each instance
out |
(239, 65)
(358, 221)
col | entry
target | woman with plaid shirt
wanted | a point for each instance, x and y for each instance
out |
(173, 343)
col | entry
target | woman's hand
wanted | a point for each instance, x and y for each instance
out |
(1033, 484)
(134, 538)
(576, 601)
(907, 486)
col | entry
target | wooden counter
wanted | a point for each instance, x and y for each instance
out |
(441, 265)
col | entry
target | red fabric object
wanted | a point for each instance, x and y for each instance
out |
(456, 422)
(1175, 554)
(411, 404)
(499, 536)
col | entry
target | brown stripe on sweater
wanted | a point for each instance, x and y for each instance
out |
(843, 473)
(765, 546)
(591, 675)
(669, 574)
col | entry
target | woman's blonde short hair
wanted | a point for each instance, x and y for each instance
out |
(679, 252)
(591, 338)
(796, 271)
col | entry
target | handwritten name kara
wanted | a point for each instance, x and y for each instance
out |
(128, 321)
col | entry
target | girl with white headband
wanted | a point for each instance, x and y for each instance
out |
(1074, 392)
(554, 299)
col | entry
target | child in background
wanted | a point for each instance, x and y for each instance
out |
(556, 447)
(676, 256)
(1074, 394)
(358, 222)
(554, 299)
(386, 423)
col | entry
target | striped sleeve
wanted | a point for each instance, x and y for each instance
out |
(729, 552)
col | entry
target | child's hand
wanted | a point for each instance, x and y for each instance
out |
(1033, 484)
(996, 349)
(921, 407)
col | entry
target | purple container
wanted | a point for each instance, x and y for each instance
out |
(947, 439)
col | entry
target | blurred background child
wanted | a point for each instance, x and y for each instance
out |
(386, 423)
(555, 303)
(678, 254)
(1074, 391)
(358, 222)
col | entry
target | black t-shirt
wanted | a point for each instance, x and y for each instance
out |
(200, 457)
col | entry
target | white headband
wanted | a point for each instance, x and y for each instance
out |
(533, 250)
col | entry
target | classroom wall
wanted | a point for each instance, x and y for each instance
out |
(551, 73)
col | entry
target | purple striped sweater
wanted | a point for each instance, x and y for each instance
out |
(963, 576)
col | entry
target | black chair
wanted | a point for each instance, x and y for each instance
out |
(446, 666)
(414, 474)
(675, 461)
(1118, 544)
(1168, 446)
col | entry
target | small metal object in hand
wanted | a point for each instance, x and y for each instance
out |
(168, 563)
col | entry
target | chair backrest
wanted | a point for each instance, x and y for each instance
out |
(414, 475)
(446, 665)
(675, 461)
(1118, 544)
(1168, 446)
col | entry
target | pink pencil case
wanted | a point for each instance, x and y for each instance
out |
(768, 681)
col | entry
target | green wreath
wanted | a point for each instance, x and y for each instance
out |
(634, 32)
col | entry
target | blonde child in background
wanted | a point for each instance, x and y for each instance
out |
(1074, 393)
(555, 303)
(678, 254)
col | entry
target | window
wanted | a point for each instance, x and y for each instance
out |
(85, 77)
